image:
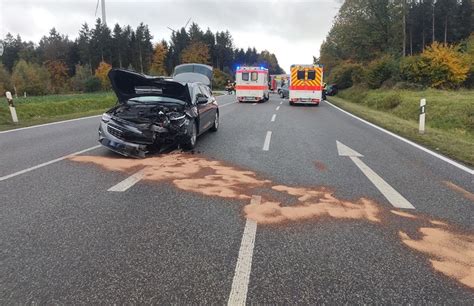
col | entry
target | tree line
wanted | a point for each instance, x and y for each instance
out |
(59, 64)
(413, 38)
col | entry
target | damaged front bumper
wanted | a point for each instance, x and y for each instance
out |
(120, 146)
(130, 141)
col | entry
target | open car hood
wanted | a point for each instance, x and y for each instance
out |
(193, 73)
(128, 84)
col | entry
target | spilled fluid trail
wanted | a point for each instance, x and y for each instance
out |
(449, 251)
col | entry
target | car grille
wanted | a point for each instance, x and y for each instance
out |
(115, 131)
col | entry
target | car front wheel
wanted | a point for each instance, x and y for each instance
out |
(215, 125)
(190, 141)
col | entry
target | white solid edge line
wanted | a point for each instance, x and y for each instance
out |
(240, 282)
(266, 144)
(6, 177)
(47, 124)
(393, 196)
(273, 118)
(443, 158)
(128, 182)
(278, 107)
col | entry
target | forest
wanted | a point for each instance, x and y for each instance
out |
(401, 44)
(58, 64)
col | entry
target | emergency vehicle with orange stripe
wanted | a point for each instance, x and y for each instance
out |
(306, 84)
(252, 84)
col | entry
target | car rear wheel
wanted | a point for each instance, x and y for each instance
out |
(215, 125)
(282, 95)
(190, 141)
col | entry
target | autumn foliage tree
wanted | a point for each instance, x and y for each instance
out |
(448, 67)
(102, 74)
(5, 83)
(158, 65)
(58, 72)
(196, 52)
(30, 78)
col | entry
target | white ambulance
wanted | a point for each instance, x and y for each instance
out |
(251, 84)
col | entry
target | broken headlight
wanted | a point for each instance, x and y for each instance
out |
(106, 117)
(177, 118)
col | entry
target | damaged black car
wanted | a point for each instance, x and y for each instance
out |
(154, 111)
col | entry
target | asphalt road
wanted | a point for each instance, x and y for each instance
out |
(64, 238)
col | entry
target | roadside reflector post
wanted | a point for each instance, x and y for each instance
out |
(422, 116)
(11, 106)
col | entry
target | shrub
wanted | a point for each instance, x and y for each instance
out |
(92, 84)
(414, 69)
(346, 74)
(379, 71)
(220, 79)
(5, 84)
(30, 78)
(448, 67)
(390, 101)
(102, 74)
(83, 74)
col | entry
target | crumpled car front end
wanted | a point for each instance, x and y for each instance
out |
(151, 112)
(137, 136)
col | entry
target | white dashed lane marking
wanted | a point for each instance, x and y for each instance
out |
(266, 144)
(128, 182)
(273, 118)
(278, 107)
(240, 283)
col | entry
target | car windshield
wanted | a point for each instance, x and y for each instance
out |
(154, 99)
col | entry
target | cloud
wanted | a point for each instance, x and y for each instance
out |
(293, 30)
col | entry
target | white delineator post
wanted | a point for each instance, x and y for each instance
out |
(422, 115)
(12, 106)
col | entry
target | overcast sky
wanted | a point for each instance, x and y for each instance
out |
(292, 29)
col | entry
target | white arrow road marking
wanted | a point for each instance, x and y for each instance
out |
(266, 144)
(6, 177)
(128, 182)
(395, 198)
(437, 155)
(240, 283)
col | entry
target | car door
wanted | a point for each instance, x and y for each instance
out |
(204, 109)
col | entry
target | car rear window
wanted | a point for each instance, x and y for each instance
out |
(300, 75)
(245, 76)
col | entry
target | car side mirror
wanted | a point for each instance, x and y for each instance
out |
(202, 100)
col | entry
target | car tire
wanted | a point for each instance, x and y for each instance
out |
(190, 141)
(282, 95)
(215, 125)
(291, 103)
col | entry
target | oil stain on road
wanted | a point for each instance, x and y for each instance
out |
(450, 252)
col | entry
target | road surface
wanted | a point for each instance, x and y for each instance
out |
(374, 219)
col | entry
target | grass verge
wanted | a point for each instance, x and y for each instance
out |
(46, 109)
(455, 143)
